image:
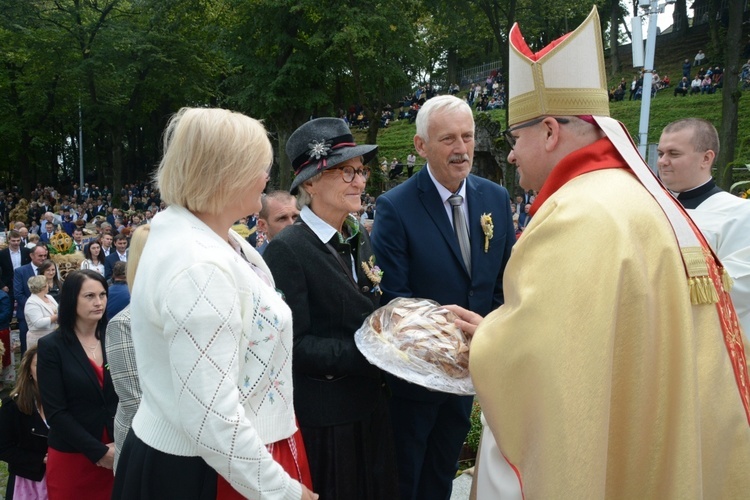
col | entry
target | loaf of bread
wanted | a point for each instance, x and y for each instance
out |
(425, 333)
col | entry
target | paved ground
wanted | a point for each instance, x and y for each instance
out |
(461, 487)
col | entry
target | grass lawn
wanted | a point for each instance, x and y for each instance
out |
(396, 141)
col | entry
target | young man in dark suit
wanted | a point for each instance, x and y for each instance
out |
(120, 255)
(12, 258)
(424, 254)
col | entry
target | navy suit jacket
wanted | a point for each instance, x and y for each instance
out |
(110, 261)
(21, 291)
(418, 251)
(43, 238)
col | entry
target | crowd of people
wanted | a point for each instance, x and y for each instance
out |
(173, 357)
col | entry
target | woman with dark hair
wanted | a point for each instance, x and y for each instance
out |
(23, 434)
(77, 393)
(94, 257)
(48, 269)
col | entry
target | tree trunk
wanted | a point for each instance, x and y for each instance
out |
(680, 19)
(730, 97)
(715, 53)
(285, 163)
(614, 19)
(451, 73)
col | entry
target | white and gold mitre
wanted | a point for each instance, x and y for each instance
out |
(565, 78)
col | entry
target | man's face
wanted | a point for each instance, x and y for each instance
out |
(121, 245)
(49, 227)
(281, 214)
(450, 148)
(39, 255)
(527, 154)
(77, 236)
(24, 232)
(106, 240)
(527, 208)
(14, 243)
(681, 167)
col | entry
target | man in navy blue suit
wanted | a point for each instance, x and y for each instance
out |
(419, 250)
(121, 255)
(21, 290)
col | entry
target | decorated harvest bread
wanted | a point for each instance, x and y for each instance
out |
(424, 333)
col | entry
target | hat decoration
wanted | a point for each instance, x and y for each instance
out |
(320, 144)
(320, 149)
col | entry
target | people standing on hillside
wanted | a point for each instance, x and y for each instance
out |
(686, 68)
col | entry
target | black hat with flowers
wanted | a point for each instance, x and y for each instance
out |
(321, 144)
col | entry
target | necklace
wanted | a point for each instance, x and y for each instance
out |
(92, 349)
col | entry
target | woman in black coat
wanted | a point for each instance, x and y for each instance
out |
(324, 266)
(77, 393)
(23, 434)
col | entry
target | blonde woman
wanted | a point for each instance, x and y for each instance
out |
(212, 336)
(40, 310)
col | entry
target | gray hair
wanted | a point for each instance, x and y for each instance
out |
(447, 103)
(303, 197)
(37, 283)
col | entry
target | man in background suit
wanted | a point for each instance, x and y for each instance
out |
(46, 232)
(120, 255)
(12, 258)
(418, 248)
(21, 290)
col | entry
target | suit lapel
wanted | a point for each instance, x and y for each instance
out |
(476, 207)
(434, 207)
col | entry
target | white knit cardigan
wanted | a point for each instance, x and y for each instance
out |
(213, 344)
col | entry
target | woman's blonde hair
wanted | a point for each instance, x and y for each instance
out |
(211, 157)
(37, 283)
(137, 242)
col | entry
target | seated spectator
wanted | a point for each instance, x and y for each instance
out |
(701, 73)
(665, 82)
(695, 85)
(718, 78)
(700, 58)
(683, 87)
(706, 87)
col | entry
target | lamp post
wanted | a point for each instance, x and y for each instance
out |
(651, 8)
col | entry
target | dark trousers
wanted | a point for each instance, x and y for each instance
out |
(429, 436)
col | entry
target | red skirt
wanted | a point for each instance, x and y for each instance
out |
(289, 453)
(72, 476)
(5, 339)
